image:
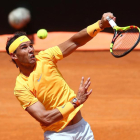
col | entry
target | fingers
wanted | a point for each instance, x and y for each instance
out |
(114, 18)
(111, 15)
(82, 81)
(87, 83)
(88, 93)
(83, 94)
(105, 15)
(104, 22)
(108, 14)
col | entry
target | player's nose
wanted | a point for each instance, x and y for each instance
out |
(30, 49)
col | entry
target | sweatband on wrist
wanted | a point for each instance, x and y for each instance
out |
(93, 29)
(17, 42)
(66, 109)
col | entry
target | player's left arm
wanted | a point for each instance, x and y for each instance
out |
(81, 38)
(77, 40)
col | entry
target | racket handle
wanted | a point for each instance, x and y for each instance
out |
(111, 22)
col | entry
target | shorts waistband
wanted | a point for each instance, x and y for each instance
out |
(82, 121)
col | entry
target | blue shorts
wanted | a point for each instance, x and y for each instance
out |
(78, 131)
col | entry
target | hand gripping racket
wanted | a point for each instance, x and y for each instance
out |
(125, 39)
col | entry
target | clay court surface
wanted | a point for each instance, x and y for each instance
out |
(112, 110)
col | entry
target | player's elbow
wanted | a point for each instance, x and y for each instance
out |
(46, 120)
(42, 117)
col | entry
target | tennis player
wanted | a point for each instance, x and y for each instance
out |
(42, 90)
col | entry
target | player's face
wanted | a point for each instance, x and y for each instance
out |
(25, 54)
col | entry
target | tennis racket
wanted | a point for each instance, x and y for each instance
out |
(125, 39)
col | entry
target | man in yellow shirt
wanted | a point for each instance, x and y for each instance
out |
(42, 90)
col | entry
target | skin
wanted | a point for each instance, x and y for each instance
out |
(24, 58)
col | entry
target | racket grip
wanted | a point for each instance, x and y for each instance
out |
(111, 22)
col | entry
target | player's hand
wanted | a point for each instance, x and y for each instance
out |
(83, 92)
(103, 23)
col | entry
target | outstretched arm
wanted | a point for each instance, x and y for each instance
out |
(85, 35)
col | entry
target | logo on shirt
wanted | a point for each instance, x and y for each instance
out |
(39, 78)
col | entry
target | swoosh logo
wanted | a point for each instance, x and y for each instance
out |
(94, 31)
(39, 78)
(63, 106)
(22, 39)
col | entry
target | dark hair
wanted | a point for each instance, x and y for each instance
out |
(10, 40)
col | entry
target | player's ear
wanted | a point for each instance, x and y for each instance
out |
(13, 56)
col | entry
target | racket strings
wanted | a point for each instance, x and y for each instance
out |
(125, 41)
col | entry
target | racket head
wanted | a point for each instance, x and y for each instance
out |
(125, 39)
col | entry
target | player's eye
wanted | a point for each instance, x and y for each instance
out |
(24, 47)
(31, 45)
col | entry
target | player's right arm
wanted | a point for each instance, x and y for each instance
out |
(45, 117)
(48, 117)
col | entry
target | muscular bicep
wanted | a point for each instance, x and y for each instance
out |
(46, 117)
(74, 42)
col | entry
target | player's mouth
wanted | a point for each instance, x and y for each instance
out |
(32, 56)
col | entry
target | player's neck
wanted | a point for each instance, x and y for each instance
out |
(26, 70)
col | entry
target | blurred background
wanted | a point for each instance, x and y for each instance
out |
(68, 15)
(113, 109)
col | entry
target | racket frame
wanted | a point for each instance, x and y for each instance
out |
(117, 31)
